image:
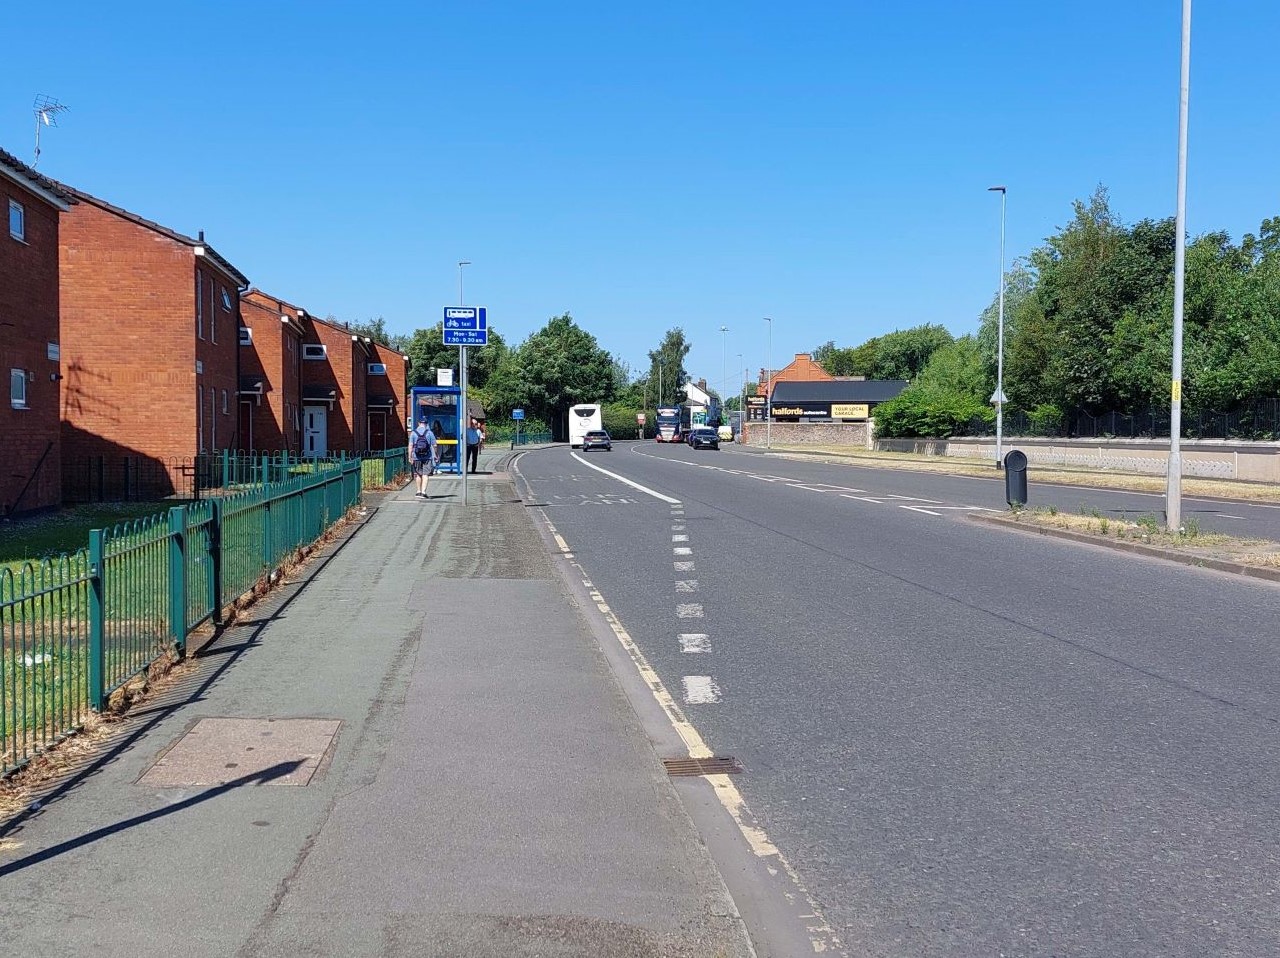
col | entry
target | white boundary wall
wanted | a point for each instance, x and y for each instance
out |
(1203, 458)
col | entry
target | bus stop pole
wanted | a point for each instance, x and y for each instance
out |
(464, 421)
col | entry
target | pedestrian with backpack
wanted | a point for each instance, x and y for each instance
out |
(422, 457)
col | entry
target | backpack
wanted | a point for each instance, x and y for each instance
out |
(421, 446)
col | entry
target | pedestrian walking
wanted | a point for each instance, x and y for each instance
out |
(422, 457)
(473, 446)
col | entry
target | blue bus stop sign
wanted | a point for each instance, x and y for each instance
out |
(517, 414)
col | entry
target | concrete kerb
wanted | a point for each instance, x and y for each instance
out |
(1136, 548)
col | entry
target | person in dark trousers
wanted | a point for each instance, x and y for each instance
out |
(473, 446)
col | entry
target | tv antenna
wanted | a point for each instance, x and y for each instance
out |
(46, 110)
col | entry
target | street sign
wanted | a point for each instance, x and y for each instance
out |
(998, 397)
(466, 326)
(517, 414)
(640, 418)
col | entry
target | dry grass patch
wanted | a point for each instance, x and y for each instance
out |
(1148, 531)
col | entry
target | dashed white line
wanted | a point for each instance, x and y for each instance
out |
(689, 610)
(684, 565)
(700, 690)
(694, 642)
(682, 551)
(679, 537)
(686, 585)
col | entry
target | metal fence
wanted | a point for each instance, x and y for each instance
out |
(1257, 422)
(76, 628)
(145, 479)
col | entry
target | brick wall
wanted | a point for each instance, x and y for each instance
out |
(28, 323)
(275, 354)
(139, 309)
(344, 370)
(394, 384)
(809, 434)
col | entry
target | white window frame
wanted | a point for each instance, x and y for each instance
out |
(226, 299)
(246, 335)
(199, 305)
(18, 388)
(309, 352)
(224, 402)
(17, 221)
(200, 416)
(377, 369)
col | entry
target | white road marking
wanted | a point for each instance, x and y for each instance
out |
(694, 642)
(677, 527)
(700, 690)
(1223, 515)
(682, 551)
(679, 537)
(686, 585)
(634, 485)
(921, 509)
(821, 936)
(684, 565)
(913, 499)
(689, 610)
(878, 502)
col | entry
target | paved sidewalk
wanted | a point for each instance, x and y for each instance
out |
(488, 792)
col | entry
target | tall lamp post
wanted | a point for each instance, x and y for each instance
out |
(768, 396)
(742, 400)
(1173, 490)
(998, 398)
(724, 382)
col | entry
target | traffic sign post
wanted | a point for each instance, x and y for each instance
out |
(466, 326)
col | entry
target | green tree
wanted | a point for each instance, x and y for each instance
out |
(666, 368)
(427, 353)
(553, 369)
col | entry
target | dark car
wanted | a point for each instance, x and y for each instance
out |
(597, 439)
(704, 437)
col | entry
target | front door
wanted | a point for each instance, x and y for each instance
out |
(377, 431)
(315, 430)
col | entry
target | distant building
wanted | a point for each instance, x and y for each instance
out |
(801, 369)
(270, 374)
(835, 400)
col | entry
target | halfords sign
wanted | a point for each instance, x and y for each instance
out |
(821, 410)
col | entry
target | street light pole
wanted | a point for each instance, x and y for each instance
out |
(723, 377)
(999, 397)
(768, 396)
(1173, 490)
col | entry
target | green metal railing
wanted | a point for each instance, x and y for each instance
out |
(76, 628)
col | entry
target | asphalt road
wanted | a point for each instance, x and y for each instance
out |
(966, 741)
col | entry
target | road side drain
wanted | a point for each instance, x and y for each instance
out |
(719, 765)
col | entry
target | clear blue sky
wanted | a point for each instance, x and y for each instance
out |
(651, 165)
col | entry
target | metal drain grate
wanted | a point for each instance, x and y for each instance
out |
(719, 765)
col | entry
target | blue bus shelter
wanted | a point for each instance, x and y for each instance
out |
(437, 406)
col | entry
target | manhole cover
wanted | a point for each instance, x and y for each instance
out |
(719, 765)
(221, 751)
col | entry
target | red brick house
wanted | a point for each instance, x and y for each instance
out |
(150, 351)
(388, 385)
(270, 373)
(334, 389)
(31, 477)
(801, 369)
